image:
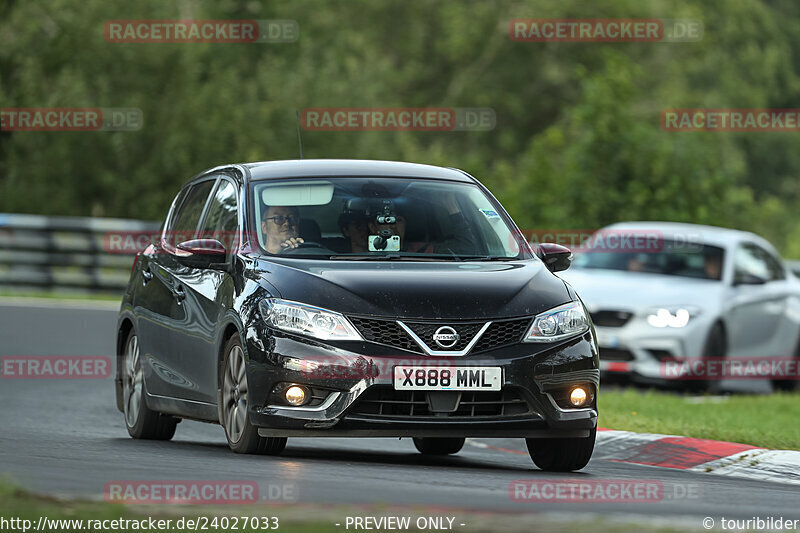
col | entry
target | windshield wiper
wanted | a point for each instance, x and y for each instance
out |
(387, 257)
(487, 258)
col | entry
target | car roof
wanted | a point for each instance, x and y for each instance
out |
(308, 168)
(698, 233)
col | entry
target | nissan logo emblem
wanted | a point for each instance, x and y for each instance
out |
(446, 337)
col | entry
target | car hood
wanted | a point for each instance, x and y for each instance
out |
(636, 291)
(431, 290)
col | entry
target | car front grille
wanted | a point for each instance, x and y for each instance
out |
(385, 402)
(615, 354)
(389, 332)
(611, 319)
(425, 331)
(385, 332)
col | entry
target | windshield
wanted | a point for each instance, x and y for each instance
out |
(672, 259)
(381, 218)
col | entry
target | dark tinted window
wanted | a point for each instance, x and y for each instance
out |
(188, 215)
(222, 214)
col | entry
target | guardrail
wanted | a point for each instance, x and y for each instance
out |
(48, 253)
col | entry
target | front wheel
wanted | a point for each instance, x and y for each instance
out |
(562, 454)
(715, 348)
(789, 384)
(438, 445)
(141, 421)
(241, 434)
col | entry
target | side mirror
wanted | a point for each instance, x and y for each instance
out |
(201, 253)
(555, 257)
(742, 278)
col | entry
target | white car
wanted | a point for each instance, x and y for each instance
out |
(663, 295)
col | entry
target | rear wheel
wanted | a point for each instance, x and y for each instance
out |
(241, 434)
(438, 445)
(562, 454)
(141, 421)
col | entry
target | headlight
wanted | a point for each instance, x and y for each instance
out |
(558, 323)
(304, 319)
(671, 317)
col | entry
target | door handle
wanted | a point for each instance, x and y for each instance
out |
(180, 295)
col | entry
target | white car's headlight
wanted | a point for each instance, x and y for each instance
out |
(308, 320)
(671, 317)
(558, 323)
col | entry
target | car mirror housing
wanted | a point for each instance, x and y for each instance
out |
(555, 256)
(201, 253)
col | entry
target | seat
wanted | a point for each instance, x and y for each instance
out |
(309, 230)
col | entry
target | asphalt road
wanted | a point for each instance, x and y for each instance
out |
(66, 437)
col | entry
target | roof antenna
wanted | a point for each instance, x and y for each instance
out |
(299, 139)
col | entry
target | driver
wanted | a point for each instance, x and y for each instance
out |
(712, 265)
(279, 224)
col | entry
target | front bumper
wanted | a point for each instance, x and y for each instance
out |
(535, 375)
(640, 351)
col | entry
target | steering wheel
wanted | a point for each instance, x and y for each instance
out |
(306, 244)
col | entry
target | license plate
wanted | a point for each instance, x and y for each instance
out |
(606, 339)
(448, 378)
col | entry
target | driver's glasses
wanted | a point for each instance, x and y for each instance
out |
(280, 220)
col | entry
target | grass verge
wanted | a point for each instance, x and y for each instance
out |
(768, 421)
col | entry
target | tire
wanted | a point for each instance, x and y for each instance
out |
(562, 454)
(789, 384)
(438, 445)
(242, 436)
(716, 347)
(141, 421)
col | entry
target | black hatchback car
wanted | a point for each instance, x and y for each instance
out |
(319, 298)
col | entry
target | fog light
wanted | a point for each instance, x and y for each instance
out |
(296, 395)
(578, 397)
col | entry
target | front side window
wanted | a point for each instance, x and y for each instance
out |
(222, 215)
(402, 218)
(222, 220)
(754, 262)
(188, 214)
(188, 210)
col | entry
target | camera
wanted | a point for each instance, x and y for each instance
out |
(378, 243)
